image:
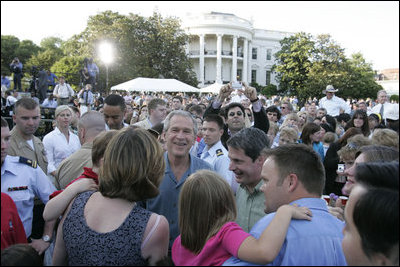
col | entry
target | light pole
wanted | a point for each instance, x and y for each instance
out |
(106, 56)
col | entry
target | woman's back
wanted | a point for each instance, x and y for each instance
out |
(120, 246)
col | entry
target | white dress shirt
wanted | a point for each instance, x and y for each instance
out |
(58, 148)
(217, 157)
(63, 91)
(386, 107)
(334, 105)
(34, 182)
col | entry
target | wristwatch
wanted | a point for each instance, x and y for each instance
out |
(46, 238)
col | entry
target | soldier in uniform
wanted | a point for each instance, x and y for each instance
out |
(215, 153)
(89, 126)
(24, 144)
(22, 180)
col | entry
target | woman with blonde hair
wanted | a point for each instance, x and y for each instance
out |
(385, 137)
(61, 142)
(107, 227)
(213, 237)
(302, 119)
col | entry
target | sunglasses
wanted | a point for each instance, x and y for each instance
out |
(249, 114)
(239, 113)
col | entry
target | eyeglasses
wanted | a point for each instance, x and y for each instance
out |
(239, 113)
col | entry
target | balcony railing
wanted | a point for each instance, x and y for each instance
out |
(213, 53)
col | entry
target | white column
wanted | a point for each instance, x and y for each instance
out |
(218, 78)
(234, 59)
(245, 60)
(250, 58)
(201, 59)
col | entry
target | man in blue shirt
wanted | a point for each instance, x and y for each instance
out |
(293, 174)
(5, 82)
(16, 68)
(180, 133)
(93, 72)
(51, 80)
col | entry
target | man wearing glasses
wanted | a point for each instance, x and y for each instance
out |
(286, 108)
(235, 112)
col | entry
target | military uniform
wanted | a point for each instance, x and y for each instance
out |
(72, 167)
(19, 147)
(22, 180)
(217, 157)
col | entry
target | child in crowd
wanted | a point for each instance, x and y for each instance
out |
(86, 182)
(213, 237)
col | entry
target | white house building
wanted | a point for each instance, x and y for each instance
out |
(223, 46)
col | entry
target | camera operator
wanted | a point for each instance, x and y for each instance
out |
(16, 68)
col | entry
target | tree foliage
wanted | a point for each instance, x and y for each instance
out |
(143, 47)
(69, 67)
(306, 65)
(12, 47)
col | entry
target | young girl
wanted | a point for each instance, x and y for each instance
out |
(209, 234)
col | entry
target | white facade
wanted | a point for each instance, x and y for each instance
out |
(223, 46)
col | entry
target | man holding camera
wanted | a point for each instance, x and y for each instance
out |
(234, 113)
(16, 68)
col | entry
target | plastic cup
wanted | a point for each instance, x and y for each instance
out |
(327, 198)
(344, 200)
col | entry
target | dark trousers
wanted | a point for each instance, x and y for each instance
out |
(17, 81)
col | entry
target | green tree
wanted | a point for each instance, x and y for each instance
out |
(294, 63)
(269, 90)
(306, 65)
(46, 59)
(69, 67)
(25, 50)
(148, 47)
(9, 45)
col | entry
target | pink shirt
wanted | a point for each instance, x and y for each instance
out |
(217, 249)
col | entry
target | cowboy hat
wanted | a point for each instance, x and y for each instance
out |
(329, 89)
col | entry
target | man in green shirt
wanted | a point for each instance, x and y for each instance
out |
(246, 161)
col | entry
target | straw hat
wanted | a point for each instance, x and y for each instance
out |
(330, 89)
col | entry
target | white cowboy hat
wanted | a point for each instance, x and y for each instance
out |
(330, 89)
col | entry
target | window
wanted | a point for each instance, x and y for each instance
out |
(253, 76)
(269, 54)
(268, 78)
(254, 53)
(239, 73)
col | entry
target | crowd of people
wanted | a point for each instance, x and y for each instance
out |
(235, 179)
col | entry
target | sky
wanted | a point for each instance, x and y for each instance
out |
(369, 27)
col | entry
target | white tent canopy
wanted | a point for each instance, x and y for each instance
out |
(213, 88)
(155, 85)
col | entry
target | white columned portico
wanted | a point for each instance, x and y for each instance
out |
(218, 78)
(245, 60)
(250, 53)
(201, 59)
(234, 58)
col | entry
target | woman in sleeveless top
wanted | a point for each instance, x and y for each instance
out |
(108, 227)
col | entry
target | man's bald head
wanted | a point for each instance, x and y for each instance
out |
(90, 125)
